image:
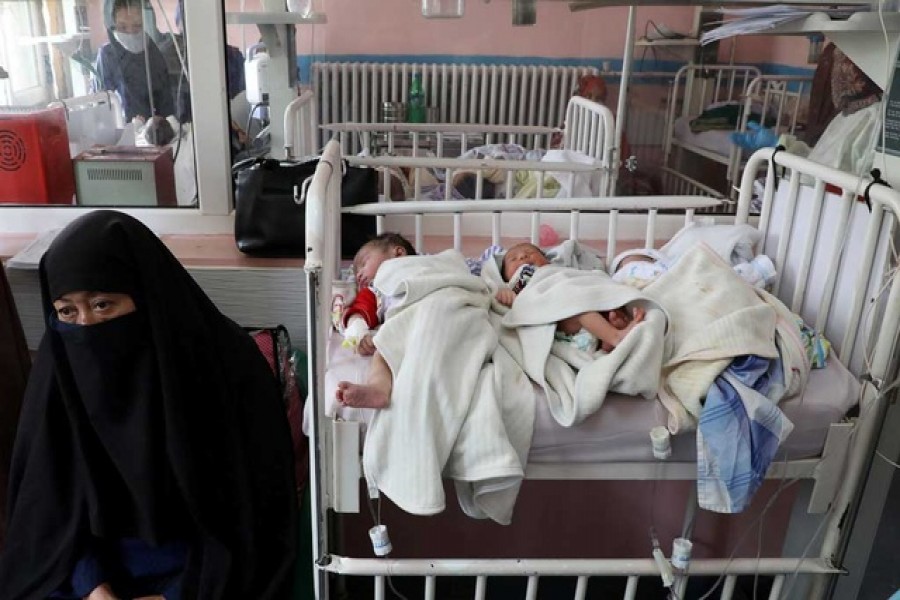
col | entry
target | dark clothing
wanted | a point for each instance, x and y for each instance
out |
(163, 426)
(234, 73)
(838, 86)
(821, 106)
(15, 363)
(135, 568)
(126, 73)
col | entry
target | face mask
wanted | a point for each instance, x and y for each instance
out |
(133, 42)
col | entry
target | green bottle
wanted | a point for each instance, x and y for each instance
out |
(415, 112)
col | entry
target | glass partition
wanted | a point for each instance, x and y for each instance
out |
(95, 104)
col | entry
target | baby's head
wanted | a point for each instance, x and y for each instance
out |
(377, 250)
(592, 87)
(648, 255)
(522, 254)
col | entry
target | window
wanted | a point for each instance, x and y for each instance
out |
(104, 67)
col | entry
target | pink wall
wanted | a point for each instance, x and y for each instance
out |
(396, 27)
(783, 50)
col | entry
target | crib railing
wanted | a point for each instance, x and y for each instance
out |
(301, 129)
(675, 182)
(443, 140)
(776, 100)
(880, 368)
(581, 569)
(645, 208)
(866, 345)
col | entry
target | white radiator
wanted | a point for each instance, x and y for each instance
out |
(484, 94)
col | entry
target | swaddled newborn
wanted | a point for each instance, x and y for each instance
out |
(585, 330)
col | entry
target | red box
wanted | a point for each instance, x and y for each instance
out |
(35, 165)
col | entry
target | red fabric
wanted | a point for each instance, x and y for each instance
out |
(365, 305)
(265, 341)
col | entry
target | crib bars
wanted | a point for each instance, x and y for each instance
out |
(321, 265)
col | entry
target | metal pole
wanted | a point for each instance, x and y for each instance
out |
(316, 492)
(621, 107)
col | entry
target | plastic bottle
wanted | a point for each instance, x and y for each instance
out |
(416, 106)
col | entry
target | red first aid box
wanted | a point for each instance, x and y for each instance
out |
(35, 164)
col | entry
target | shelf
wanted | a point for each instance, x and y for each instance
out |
(861, 22)
(273, 18)
(668, 42)
(860, 37)
(576, 5)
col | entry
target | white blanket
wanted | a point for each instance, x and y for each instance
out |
(459, 407)
(576, 382)
(714, 317)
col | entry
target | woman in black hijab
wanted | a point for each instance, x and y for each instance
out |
(153, 455)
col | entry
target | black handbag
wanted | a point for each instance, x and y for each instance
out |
(269, 222)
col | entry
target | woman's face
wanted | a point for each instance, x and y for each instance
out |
(90, 308)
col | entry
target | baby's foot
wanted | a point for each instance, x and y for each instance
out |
(361, 396)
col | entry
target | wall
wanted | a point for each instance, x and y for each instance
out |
(787, 52)
(396, 28)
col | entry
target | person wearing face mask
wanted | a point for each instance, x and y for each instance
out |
(133, 66)
(153, 455)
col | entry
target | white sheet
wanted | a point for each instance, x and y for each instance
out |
(717, 141)
(619, 431)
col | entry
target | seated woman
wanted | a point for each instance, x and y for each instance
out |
(15, 362)
(153, 456)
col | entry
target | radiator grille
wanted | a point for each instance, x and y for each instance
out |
(479, 94)
(114, 174)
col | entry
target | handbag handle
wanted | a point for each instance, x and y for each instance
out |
(301, 190)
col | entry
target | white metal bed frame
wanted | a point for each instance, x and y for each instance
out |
(589, 130)
(697, 86)
(334, 444)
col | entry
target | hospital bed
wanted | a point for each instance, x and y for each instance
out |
(835, 269)
(707, 106)
(510, 161)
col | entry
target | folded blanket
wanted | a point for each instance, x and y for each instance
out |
(715, 316)
(577, 382)
(456, 409)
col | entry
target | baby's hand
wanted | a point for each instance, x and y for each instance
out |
(505, 296)
(355, 332)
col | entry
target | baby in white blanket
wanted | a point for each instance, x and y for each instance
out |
(639, 268)
(582, 330)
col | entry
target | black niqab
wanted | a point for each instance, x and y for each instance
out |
(164, 424)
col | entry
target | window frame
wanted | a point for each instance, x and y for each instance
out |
(32, 94)
(205, 39)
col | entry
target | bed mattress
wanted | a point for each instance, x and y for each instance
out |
(619, 431)
(717, 141)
